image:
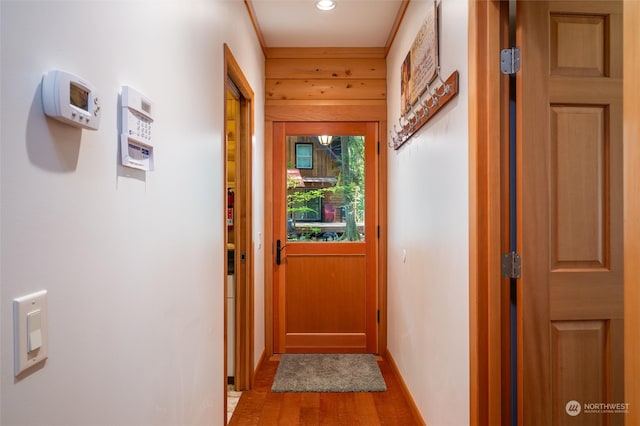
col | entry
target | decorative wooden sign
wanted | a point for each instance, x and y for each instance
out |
(421, 63)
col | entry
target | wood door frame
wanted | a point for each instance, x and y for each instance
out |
(486, 134)
(244, 324)
(631, 167)
(283, 341)
(374, 111)
(486, 207)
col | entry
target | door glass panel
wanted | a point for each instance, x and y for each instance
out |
(325, 188)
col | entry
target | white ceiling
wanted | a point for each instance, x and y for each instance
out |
(352, 23)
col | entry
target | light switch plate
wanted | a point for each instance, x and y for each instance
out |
(30, 330)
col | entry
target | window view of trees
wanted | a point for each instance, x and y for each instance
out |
(326, 202)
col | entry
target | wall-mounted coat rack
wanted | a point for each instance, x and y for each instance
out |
(429, 102)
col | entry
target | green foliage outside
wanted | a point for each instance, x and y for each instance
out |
(350, 187)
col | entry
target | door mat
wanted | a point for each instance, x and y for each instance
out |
(328, 373)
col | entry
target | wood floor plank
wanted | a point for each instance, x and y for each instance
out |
(260, 406)
(271, 411)
(392, 407)
(310, 408)
(328, 409)
(251, 410)
(366, 409)
(290, 409)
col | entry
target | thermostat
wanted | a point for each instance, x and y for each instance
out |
(70, 99)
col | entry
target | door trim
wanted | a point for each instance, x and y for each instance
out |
(631, 166)
(346, 111)
(486, 207)
(244, 326)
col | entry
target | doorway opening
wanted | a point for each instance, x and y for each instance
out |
(238, 249)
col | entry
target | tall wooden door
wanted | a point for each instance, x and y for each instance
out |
(325, 227)
(569, 118)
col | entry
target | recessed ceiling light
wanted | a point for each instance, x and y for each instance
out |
(326, 4)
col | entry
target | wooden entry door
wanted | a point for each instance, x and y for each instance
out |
(325, 228)
(569, 114)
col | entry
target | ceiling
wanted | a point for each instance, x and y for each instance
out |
(352, 23)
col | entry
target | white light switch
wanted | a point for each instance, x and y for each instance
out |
(30, 330)
(34, 328)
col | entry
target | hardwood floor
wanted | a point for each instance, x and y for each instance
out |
(260, 406)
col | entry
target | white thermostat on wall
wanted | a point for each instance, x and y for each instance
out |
(70, 99)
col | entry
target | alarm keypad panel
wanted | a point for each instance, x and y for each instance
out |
(139, 126)
(136, 138)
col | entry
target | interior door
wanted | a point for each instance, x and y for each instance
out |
(569, 113)
(325, 227)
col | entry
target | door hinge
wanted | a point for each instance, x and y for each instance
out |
(510, 61)
(378, 316)
(511, 265)
(378, 147)
(378, 231)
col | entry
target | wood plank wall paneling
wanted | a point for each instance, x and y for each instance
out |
(321, 68)
(345, 88)
(325, 74)
(325, 52)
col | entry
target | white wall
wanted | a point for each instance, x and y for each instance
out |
(428, 298)
(133, 261)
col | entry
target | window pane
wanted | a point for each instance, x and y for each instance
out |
(325, 189)
(304, 155)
